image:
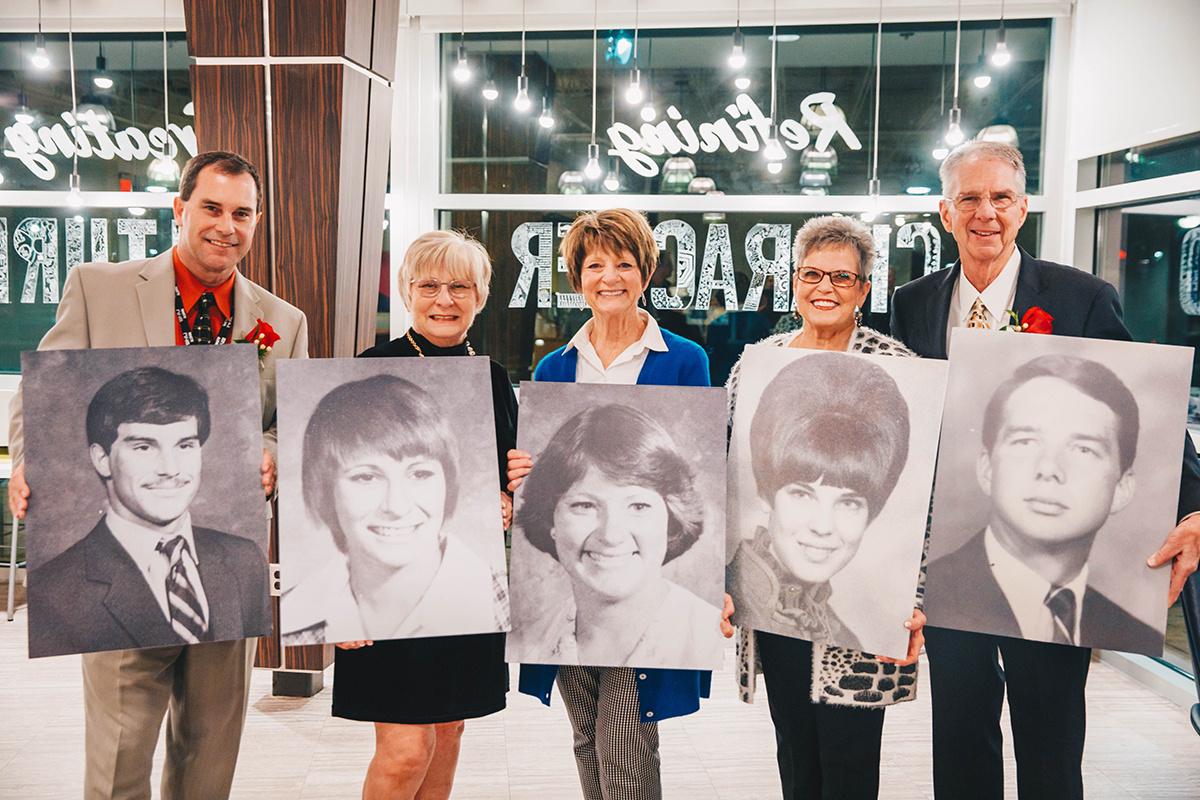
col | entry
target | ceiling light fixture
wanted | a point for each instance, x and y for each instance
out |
(1001, 56)
(40, 58)
(101, 78)
(74, 193)
(521, 103)
(873, 186)
(592, 170)
(774, 151)
(462, 70)
(164, 170)
(954, 131)
(634, 93)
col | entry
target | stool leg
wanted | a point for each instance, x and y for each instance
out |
(12, 568)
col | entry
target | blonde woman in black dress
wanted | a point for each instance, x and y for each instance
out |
(419, 691)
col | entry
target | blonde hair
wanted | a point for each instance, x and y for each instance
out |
(611, 231)
(458, 254)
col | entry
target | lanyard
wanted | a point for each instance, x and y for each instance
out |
(188, 337)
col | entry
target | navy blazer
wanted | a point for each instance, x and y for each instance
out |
(967, 597)
(92, 596)
(1081, 304)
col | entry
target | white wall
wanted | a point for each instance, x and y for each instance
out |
(1134, 72)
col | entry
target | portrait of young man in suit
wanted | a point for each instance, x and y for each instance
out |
(146, 575)
(983, 206)
(1059, 440)
(189, 294)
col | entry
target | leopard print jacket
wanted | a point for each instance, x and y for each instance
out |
(840, 676)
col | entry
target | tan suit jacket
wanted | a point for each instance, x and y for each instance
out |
(132, 304)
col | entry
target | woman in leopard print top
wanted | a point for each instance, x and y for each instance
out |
(827, 702)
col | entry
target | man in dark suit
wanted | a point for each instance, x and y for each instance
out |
(983, 206)
(128, 583)
(1059, 440)
(192, 293)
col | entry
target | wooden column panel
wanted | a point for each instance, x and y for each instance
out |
(379, 145)
(231, 114)
(218, 28)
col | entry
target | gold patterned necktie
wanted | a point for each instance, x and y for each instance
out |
(189, 618)
(978, 316)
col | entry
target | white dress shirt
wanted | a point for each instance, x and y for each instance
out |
(1026, 591)
(626, 367)
(141, 543)
(997, 298)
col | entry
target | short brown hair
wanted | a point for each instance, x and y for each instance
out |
(230, 164)
(612, 231)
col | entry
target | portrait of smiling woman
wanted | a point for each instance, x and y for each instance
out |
(612, 501)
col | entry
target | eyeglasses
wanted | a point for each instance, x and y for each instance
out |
(459, 290)
(839, 278)
(971, 202)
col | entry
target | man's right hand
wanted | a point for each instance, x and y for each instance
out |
(18, 491)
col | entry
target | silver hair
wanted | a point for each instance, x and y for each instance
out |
(976, 150)
(821, 232)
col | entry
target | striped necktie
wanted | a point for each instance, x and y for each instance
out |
(202, 329)
(189, 617)
(1061, 602)
(978, 316)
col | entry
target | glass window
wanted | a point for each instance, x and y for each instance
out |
(42, 244)
(702, 126)
(716, 283)
(1152, 252)
(1158, 160)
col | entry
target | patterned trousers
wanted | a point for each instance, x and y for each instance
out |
(616, 753)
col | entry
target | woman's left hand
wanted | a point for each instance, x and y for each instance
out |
(506, 510)
(726, 613)
(916, 639)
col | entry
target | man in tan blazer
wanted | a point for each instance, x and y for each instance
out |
(183, 296)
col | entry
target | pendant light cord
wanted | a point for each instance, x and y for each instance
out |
(71, 58)
(878, 64)
(957, 50)
(595, 25)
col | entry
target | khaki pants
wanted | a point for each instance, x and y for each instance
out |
(201, 689)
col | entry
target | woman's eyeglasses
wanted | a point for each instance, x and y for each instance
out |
(459, 290)
(840, 278)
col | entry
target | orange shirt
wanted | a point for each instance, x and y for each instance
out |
(190, 290)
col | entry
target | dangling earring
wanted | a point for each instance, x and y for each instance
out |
(858, 316)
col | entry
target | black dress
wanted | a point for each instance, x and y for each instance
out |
(441, 678)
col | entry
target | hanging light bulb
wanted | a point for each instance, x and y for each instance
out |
(940, 152)
(101, 79)
(1001, 56)
(774, 150)
(546, 120)
(75, 195)
(40, 58)
(23, 115)
(592, 170)
(983, 80)
(742, 83)
(872, 201)
(634, 93)
(522, 103)
(612, 181)
(737, 57)
(649, 113)
(490, 92)
(462, 69)
(954, 133)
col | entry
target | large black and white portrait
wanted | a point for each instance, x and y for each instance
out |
(147, 523)
(618, 535)
(831, 464)
(1058, 473)
(389, 523)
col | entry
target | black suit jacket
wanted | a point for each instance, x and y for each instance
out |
(92, 597)
(1081, 304)
(967, 597)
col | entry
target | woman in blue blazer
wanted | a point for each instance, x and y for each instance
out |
(614, 711)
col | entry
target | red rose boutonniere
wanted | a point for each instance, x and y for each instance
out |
(264, 336)
(1036, 320)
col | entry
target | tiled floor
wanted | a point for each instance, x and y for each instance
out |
(1139, 746)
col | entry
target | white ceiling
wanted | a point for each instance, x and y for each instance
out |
(499, 15)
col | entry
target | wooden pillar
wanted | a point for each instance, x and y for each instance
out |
(303, 88)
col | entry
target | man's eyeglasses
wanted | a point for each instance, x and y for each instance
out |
(459, 290)
(971, 202)
(839, 278)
